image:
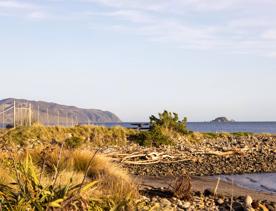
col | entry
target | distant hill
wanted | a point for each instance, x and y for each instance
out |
(222, 119)
(62, 114)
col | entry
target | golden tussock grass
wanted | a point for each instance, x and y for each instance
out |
(92, 135)
(113, 180)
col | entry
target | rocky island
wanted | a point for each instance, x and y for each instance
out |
(222, 120)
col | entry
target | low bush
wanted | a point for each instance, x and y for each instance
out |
(169, 121)
(155, 137)
(73, 142)
(162, 130)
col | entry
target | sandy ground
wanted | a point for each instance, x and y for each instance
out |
(204, 182)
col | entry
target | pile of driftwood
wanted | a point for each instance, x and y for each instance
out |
(148, 156)
(232, 151)
(145, 158)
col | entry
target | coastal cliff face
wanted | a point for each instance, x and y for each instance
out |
(65, 114)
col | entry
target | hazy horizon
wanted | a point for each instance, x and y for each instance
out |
(201, 59)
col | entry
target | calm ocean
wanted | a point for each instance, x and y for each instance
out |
(254, 127)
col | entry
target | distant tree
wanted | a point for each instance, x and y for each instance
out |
(157, 135)
(170, 121)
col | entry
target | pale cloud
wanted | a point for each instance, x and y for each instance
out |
(272, 55)
(22, 9)
(236, 26)
(269, 35)
(15, 5)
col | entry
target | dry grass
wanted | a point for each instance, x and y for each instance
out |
(113, 183)
(38, 134)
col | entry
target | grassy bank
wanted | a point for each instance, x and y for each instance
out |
(57, 179)
(72, 136)
(99, 136)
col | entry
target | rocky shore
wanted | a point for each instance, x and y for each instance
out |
(203, 196)
(213, 156)
(204, 202)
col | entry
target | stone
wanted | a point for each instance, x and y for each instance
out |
(165, 202)
(220, 201)
(208, 192)
(237, 206)
(248, 201)
(179, 203)
(186, 205)
(154, 199)
(270, 208)
(255, 204)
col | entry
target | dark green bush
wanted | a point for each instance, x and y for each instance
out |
(160, 129)
(170, 121)
(73, 142)
(153, 137)
(239, 134)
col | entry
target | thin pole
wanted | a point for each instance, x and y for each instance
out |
(58, 117)
(38, 114)
(14, 113)
(30, 114)
(20, 114)
(3, 123)
(77, 121)
(47, 116)
(66, 119)
(72, 121)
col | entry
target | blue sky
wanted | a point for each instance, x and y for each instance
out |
(200, 58)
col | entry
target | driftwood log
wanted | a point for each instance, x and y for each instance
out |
(148, 157)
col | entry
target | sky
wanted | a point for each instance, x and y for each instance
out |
(199, 58)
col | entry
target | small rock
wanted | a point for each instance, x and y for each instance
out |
(165, 202)
(255, 204)
(220, 201)
(237, 206)
(179, 203)
(186, 205)
(270, 208)
(208, 192)
(154, 199)
(248, 201)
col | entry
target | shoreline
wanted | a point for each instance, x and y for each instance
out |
(201, 183)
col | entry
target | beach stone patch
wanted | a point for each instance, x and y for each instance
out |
(200, 202)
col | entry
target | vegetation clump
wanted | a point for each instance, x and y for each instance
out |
(56, 179)
(162, 130)
(73, 142)
(169, 121)
(73, 136)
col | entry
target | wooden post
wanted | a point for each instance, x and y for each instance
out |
(66, 119)
(72, 121)
(14, 113)
(47, 116)
(58, 117)
(30, 114)
(20, 114)
(3, 120)
(38, 114)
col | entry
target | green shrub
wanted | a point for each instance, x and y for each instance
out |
(161, 131)
(170, 121)
(154, 137)
(239, 134)
(73, 142)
